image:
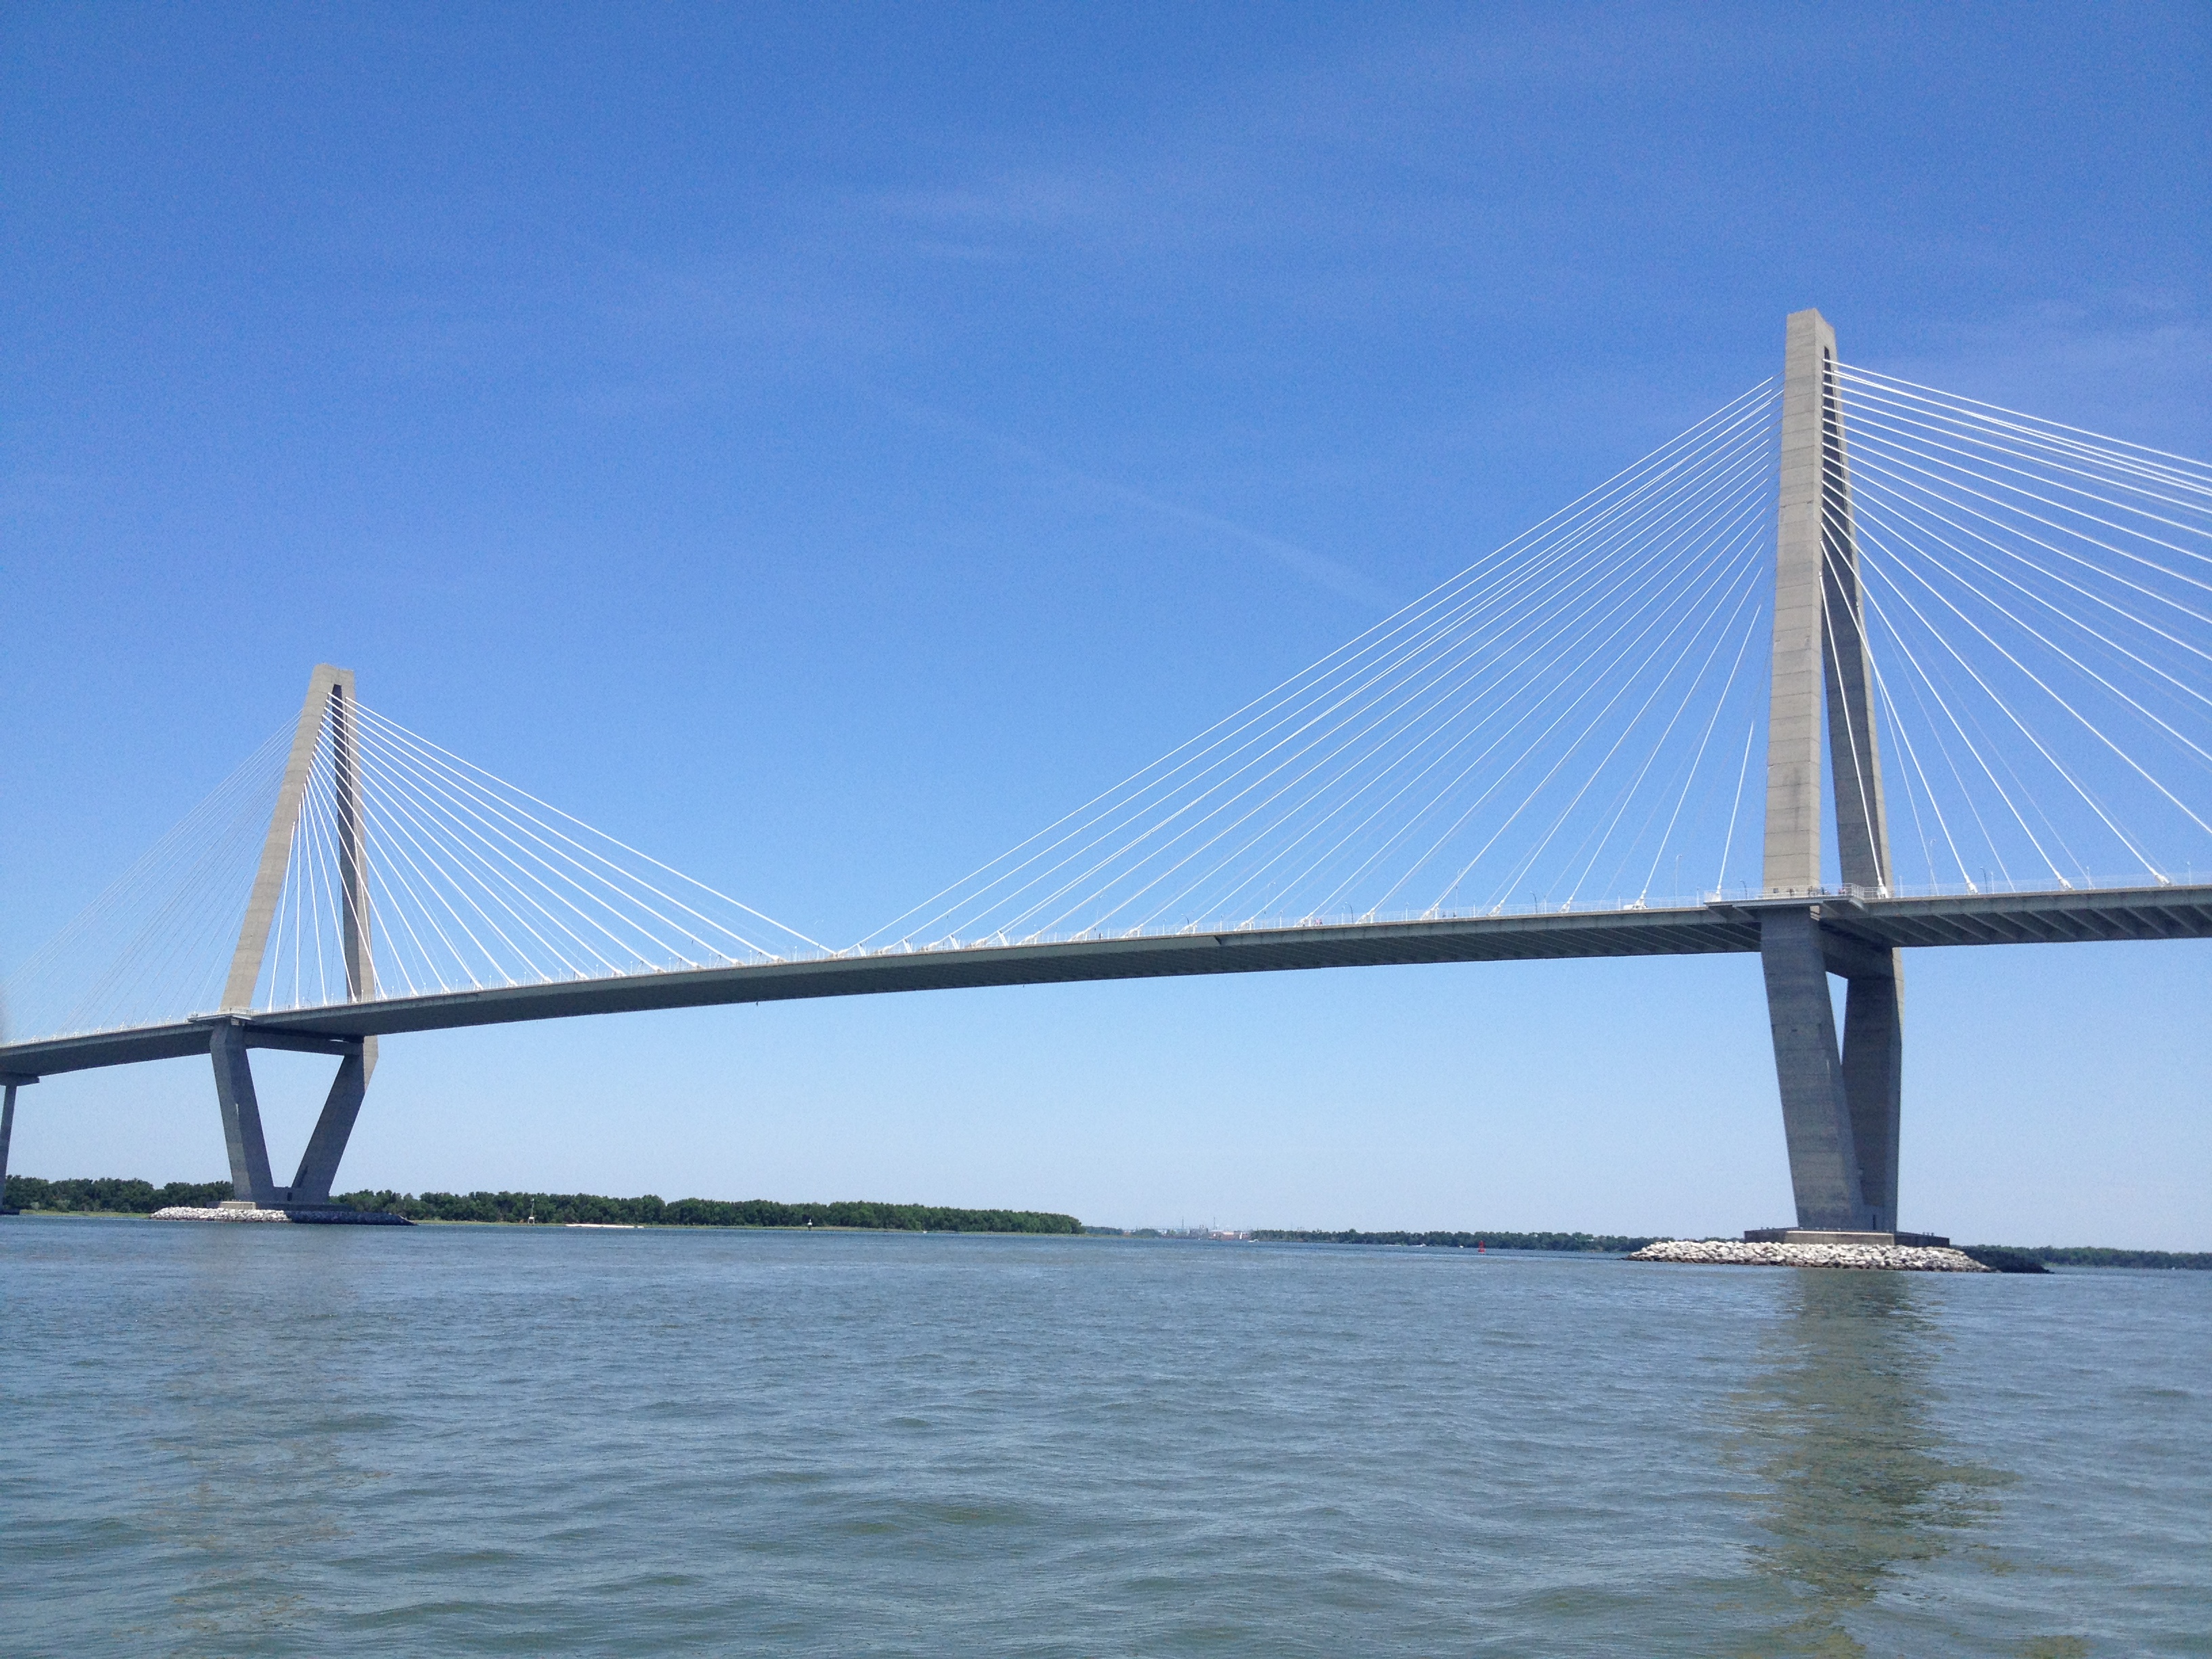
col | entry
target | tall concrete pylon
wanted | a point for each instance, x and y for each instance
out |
(328, 710)
(1840, 1105)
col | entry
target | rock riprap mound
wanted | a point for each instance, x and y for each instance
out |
(1735, 1253)
(323, 1214)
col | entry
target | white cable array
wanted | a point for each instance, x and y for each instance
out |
(157, 945)
(1534, 733)
(471, 883)
(2039, 604)
(1541, 731)
(1555, 727)
(467, 883)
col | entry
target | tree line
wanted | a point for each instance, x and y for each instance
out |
(115, 1195)
(110, 1195)
(650, 1211)
(2094, 1256)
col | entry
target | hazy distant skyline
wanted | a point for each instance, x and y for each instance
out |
(820, 447)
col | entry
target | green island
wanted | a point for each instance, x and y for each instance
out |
(113, 1195)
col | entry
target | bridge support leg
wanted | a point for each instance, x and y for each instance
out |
(318, 1165)
(242, 1116)
(1873, 1080)
(7, 1134)
(1816, 1109)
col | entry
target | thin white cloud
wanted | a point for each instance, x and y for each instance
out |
(1316, 567)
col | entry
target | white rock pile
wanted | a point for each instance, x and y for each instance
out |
(194, 1212)
(1735, 1253)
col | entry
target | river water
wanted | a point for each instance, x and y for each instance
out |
(334, 1441)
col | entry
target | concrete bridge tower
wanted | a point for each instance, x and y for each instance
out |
(326, 718)
(1839, 1103)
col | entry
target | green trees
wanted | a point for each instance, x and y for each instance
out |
(118, 1195)
(651, 1211)
(2094, 1256)
(112, 1194)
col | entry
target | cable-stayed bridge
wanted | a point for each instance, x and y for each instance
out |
(1851, 666)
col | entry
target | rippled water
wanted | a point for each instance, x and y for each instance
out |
(504, 1440)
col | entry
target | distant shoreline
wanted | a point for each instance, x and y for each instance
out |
(2063, 1255)
(122, 1196)
(1598, 1243)
(125, 1198)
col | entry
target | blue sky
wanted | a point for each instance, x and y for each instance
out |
(820, 446)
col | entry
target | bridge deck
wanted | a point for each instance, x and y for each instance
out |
(2142, 913)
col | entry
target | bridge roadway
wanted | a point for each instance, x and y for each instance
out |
(1850, 927)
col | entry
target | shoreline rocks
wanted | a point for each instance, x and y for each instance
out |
(1735, 1253)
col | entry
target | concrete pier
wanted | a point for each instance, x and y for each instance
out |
(318, 1215)
(1815, 1235)
(1862, 1257)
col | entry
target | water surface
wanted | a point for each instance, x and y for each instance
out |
(335, 1440)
